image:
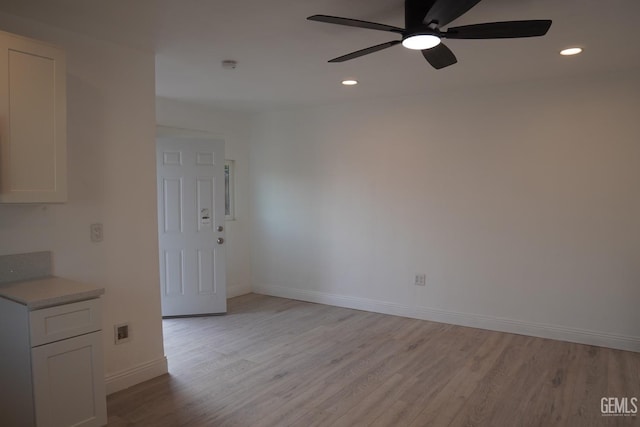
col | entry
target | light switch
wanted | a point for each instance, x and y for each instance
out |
(96, 232)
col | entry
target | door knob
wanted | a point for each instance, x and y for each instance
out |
(220, 240)
(220, 228)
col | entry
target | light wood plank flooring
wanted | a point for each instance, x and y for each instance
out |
(277, 362)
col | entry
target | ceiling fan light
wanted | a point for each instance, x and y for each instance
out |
(421, 41)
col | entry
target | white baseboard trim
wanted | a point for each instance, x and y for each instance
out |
(137, 374)
(560, 333)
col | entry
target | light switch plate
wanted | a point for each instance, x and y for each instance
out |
(97, 233)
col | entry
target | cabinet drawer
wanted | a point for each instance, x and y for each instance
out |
(65, 321)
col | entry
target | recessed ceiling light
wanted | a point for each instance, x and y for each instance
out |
(421, 41)
(350, 82)
(571, 51)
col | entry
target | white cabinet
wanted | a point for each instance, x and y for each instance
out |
(51, 366)
(33, 121)
(65, 380)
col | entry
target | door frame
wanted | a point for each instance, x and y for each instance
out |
(180, 132)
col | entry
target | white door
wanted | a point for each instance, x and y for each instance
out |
(191, 225)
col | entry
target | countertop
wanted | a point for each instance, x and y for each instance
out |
(48, 292)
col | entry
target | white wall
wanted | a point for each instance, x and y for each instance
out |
(521, 204)
(235, 128)
(111, 157)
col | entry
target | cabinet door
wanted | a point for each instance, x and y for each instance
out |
(32, 121)
(68, 382)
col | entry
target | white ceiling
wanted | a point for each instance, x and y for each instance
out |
(282, 57)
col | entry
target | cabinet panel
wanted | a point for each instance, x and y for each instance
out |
(16, 392)
(31, 125)
(68, 382)
(32, 121)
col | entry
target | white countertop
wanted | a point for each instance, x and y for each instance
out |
(48, 291)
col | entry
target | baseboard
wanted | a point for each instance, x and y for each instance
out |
(137, 374)
(560, 333)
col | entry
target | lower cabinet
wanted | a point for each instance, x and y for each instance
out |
(51, 365)
(68, 382)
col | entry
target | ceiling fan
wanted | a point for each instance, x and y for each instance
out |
(424, 20)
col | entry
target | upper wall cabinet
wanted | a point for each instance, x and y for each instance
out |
(33, 121)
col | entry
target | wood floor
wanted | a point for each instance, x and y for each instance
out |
(277, 362)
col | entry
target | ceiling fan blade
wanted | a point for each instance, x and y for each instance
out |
(439, 56)
(500, 30)
(445, 11)
(366, 51)
(415, 11)
(355, 23)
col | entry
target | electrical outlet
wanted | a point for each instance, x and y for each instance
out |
(421, 280)
(121, 333)
(97, 233)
